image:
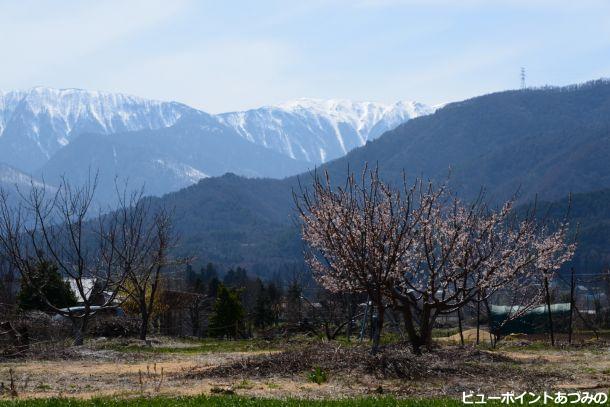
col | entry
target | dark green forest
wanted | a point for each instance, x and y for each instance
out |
(535, 143)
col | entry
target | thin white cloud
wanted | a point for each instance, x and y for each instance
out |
(222, 56)
(460, 4)
(217, 76)
(38, 37)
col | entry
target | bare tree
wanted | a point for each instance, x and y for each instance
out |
(332, 311)
(7, 284)
(511, 302)
(60, 227)
(141, 238)
(199, 303)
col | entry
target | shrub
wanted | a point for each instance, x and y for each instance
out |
(317, 375)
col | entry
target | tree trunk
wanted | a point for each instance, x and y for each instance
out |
(548, 304)
(478, 318)
(459, 312)
(372, 323)
(424, 336)
(80, 328)
(572, 303)
(377, 327)
(493, 338)
(144, 324)
(195, 320)
(410, 328)
(348, 330)
(364, 318)
(427, 323)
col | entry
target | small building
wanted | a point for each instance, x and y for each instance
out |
(89, 289)
(505, 320)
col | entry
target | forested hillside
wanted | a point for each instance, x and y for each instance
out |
(541, 143)
(589, 216)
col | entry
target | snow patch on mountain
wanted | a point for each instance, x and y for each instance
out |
(36, 123)
(177, 144)
(10, 176)
(317, 130)
(182, 171)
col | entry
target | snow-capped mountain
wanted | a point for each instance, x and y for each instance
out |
(168, 145)
(316, 130)
(166, 159)
(36, 123)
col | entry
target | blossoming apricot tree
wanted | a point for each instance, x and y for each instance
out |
(422, 251)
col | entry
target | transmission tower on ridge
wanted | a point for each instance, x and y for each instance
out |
(522, 78)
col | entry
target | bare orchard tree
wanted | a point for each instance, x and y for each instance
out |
(59, 226)
(333, 312)
(357, 235)
(141, 239)
(7, 284)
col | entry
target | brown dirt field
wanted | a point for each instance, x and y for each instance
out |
(446, 372)
(470, 336)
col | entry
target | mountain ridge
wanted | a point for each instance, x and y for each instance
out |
(542, 143)
(326, 128)
(36, 123)
(50, 132)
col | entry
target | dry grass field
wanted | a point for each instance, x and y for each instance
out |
(305, 369)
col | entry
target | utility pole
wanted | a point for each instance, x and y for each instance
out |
(364, 318)
(350, 317)
(478, 315)
(522, 78)
(572, 304)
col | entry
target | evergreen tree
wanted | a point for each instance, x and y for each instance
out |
(45, 279)
(227, 313)
(213, 287)
(208, 273)
(237, 278)
(189, 274)
(263, 314)
(293, 303)
(275, 296)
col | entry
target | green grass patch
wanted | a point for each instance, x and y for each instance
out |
(444, 332)
(536, 346)
(318, 376)
(194, 347)
(231, 401)
(387, 338)
(244, 384)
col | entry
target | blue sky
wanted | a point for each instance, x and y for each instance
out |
(232, 55)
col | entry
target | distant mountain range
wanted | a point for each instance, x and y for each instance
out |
(167, 145)
(536, 143)
(166, 159)
(37, 123)
(318, 131)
